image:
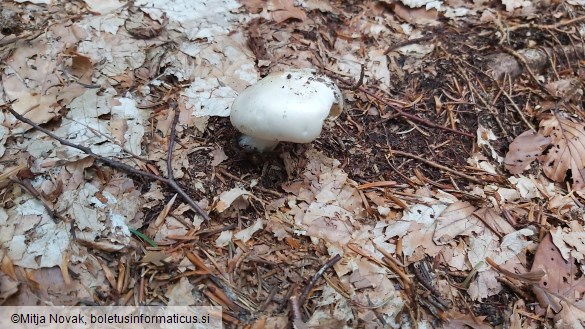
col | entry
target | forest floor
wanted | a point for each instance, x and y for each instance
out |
(449, 193)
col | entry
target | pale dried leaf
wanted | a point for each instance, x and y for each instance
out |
(34, 239)
(570, 241)
(527, 186)
(8, 287)
(484, 137)
(180, 294)
(513, 4)
(570, 317)
(485, 285)
(218, 156)
(228, 197)
(285, 9)
(224, 238)
(103, 6)
(417, 16)
(246, 234)
(496, 223)
(457, 219)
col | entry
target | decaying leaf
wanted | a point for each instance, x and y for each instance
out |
(30, 236)
(566, 158)
(563, 142)
(8, 287)
(523, 150)
(285, 9)
(563, 286)
(570, 241)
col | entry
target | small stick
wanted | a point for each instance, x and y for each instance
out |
(533, 277)
(516, 108)
(545, 27)
(316, 277)
(524, 63)
(414, 117)
(172, 139)
(438, 166)
(296, 317)
(406, 43)
(116, 164)
(400, 112)
(361, 79)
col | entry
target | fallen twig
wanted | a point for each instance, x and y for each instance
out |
(122, 166)
(397, 108)
(407, 42)
(546, 27)
(522, 60)
(316, 277)
(438, 166)
(412, 116)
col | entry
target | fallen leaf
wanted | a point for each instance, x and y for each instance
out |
(218, 156)
(484, 137)
(563, 286)
(566, 158)
(246, 234)
(228, 197)
(524, 150)
(180, 294)
(457, 219)
(285, 9)
(8, 287)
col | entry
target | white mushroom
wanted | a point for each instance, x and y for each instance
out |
(288, 106)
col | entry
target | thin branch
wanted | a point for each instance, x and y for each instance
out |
(414, 117)
(316, 277)
(545, 27)
(438, 166)
(516, 108)
(407, 42)
(116, 164)
(175, 108)
(522, 60)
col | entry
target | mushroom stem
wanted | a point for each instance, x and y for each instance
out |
(257, 144)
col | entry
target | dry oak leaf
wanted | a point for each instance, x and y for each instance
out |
(567, 151)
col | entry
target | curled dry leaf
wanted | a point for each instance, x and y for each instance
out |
(523, 150)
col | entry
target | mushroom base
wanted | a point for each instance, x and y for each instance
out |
(255, 144)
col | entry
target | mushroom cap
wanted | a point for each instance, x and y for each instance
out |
(288, 106)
